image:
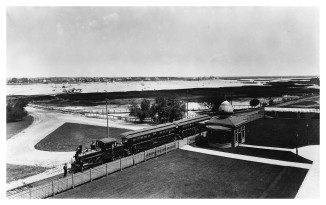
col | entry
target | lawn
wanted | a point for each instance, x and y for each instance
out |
(68, 136)
(185, 174)
(282, 132)
(15, 172)
(264, 153)
(14, 128)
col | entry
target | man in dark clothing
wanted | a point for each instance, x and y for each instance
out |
(65, 170)
(93, 145)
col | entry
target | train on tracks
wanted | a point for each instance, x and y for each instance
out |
(132, 142)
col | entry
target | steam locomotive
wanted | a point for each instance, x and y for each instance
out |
(132, 142)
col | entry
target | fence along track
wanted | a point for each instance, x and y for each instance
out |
(59, 185)
(69, 182)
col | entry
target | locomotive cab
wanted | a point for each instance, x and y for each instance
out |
(106, 143)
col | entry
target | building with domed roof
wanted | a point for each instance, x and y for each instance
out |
(225, 130)
(225, 108)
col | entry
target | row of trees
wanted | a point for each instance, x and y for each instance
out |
(15, 109)
(164, 109)
(168, 109)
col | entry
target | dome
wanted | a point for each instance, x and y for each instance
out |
(225, 108)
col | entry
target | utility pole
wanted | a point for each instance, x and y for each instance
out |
(187, 104)
(296, 143)
(107, 119)
(307, 125)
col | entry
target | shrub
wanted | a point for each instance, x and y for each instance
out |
(16, 109)
(254, 102)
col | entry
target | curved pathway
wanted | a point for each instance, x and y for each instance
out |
(20, 148)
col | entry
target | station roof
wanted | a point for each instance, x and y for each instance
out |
(285, 109)
(230, 122)
(219, 128)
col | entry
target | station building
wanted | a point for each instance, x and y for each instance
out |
(225, 130)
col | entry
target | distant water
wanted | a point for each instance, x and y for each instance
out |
(49, 89)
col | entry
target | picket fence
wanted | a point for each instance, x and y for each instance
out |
(59, 185)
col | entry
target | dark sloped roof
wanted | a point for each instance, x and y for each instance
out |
(231, 122)
(190, 120)
(107, 140)
(132, 132)
(146, 131)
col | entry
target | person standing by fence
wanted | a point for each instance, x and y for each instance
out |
(65, 169)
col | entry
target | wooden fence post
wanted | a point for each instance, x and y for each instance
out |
(165, 149)
(120, 165)
(53, 188)
(155, 152)
(145, 156)
(106, 169)
(90, 174)
(133, 159)
(72, 180)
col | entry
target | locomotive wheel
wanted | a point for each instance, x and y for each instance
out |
(98, 161)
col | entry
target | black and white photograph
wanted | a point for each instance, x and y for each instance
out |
(162, 102)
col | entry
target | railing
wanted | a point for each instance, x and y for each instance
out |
(59, 185)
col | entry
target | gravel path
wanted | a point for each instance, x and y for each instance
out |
(21, 151)
(20, 148)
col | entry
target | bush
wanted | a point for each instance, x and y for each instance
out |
(141, 112)
(213, 103)
(254, 102)
(167, 109)
(16, 109)
(271, 102)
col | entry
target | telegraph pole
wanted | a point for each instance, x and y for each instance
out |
(307, 125)
(296, 143)
(187, 104)
(107, 119)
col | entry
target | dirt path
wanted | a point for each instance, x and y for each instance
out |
(20, 148)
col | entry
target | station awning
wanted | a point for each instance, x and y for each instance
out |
(285, 109)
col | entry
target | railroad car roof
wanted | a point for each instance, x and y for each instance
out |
(195, 119)
(146, 131)
(125, 134)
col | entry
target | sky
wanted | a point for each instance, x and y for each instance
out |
(162, 41)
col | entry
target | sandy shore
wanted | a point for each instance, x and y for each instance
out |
(50, 89)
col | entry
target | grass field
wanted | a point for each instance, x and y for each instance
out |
(14, 128)
(282, 132)
(15, 172)
(68, 136)
(185, 174)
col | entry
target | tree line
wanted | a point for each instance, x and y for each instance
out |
(163, 109)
